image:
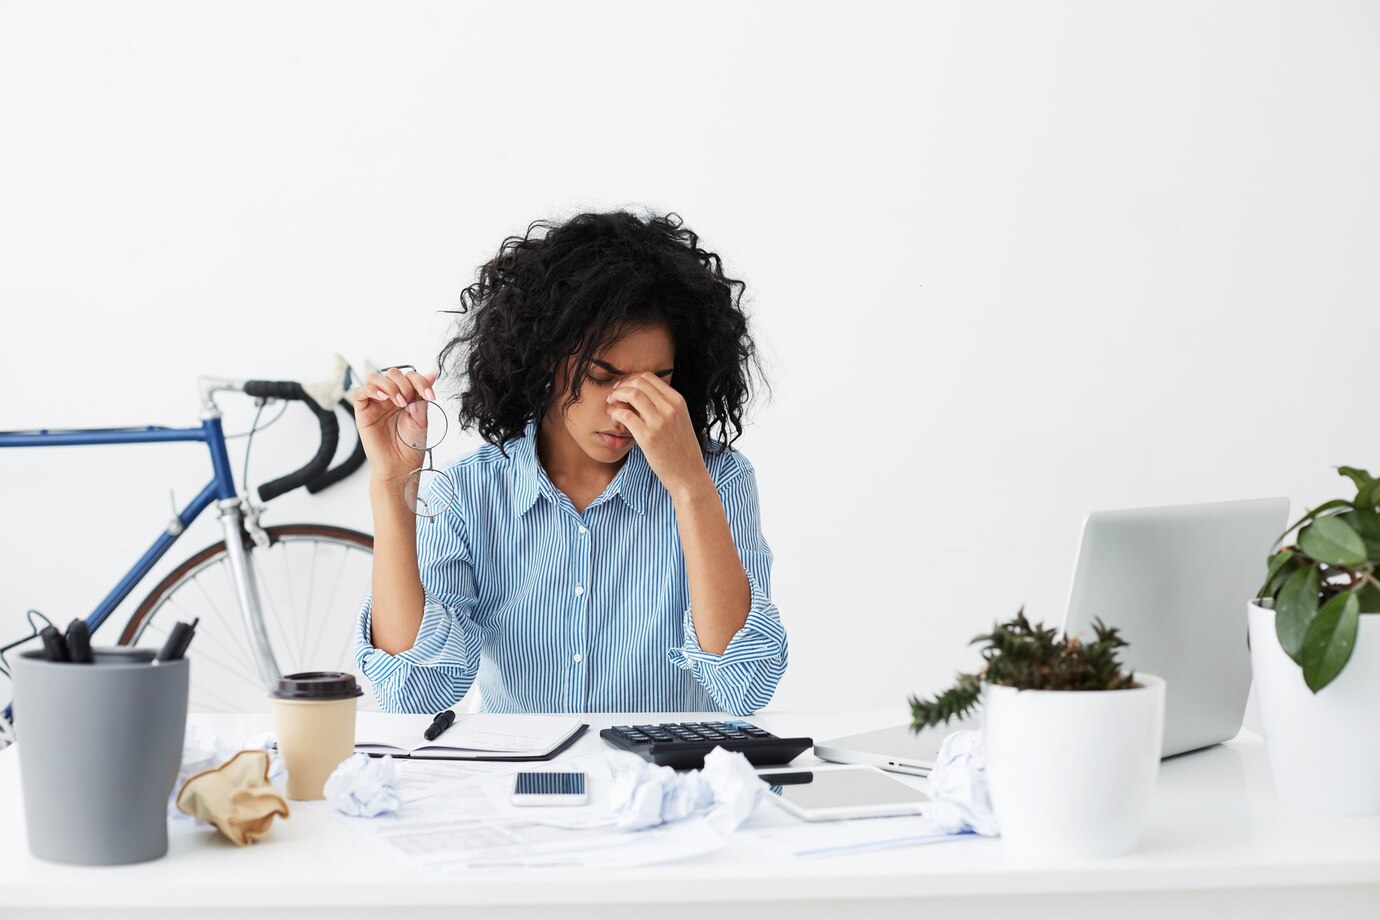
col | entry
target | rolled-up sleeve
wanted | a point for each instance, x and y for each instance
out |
(441, 664)
(743, 678)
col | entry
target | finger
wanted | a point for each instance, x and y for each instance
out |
(631, 420)
(638, 400)
(662, 388)
(406, 392)
(421, 385)
(641, 384)
(381, 388)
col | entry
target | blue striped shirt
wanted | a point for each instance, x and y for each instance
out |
(552, 610)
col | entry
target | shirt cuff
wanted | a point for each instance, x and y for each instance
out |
(445, 651)
(744, 677)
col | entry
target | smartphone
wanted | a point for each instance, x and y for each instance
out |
(548, 788)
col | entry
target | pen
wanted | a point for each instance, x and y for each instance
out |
(443, 721)
(178, 639)
(54, 649)
(79, 642)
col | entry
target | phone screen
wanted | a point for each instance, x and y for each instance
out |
(549, 784)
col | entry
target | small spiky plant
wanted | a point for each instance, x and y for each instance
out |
(1029, 658)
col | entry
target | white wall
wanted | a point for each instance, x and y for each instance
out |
(1009, 262)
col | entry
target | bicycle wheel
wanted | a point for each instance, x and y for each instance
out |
(312, 579)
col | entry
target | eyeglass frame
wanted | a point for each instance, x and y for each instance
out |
(428, 464)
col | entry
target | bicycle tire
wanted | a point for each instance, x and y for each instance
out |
(247, 694)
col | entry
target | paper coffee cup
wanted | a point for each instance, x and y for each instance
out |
(314, 720)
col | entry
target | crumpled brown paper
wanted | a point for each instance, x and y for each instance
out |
(236, 797)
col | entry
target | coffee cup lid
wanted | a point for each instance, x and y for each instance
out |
(317, 685)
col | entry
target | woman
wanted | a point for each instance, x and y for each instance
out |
(602, 552)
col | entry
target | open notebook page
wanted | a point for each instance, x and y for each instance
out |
(479, 731)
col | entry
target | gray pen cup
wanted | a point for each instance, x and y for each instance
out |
(99, 746)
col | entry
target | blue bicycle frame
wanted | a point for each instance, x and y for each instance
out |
(220, 490)
(221, 487)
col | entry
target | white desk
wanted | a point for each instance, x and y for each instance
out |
(1218, 844)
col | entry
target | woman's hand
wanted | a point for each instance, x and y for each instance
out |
(377, 402)
(656, 416)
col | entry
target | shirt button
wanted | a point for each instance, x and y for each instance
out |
(579, 589)
(584, 529)
(576, 657)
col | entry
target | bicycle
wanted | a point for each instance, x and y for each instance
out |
(239, 652)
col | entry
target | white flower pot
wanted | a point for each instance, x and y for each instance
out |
(1071, 772)
(1324, 748)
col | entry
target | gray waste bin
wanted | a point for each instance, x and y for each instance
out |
(99, 747)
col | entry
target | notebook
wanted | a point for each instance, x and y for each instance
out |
(474, 736)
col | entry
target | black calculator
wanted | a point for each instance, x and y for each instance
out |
(682, 745)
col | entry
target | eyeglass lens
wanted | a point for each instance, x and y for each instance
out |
(421, 426)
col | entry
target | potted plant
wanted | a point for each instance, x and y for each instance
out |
(1315, 655)
(1071, 739)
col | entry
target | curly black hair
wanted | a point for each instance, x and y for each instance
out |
(573, 292)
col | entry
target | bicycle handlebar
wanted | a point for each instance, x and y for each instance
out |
(317, 468)
(346, 467)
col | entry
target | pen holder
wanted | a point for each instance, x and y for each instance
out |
(99, 745)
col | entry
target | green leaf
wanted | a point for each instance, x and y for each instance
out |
(1368, 495)
(1367, 524)
(1329, 641)
(1358, 476)
(1295, 609)
(1333, 541)
(1276, 575)
(1325, 506)
(1369, 596)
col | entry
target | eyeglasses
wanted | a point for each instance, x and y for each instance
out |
(428, 491)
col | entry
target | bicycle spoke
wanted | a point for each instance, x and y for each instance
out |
(202, 693)
(344, 558)
(271, 613)
(305, 627)
(285, 626)
(230, 628)
(311, 584)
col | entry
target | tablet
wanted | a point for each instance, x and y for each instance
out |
(856, 791)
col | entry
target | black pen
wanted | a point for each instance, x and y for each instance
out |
(443, 721)
(54, 649)
(79, 642)
(178, 639)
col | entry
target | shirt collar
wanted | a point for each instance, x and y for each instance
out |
(631, 483)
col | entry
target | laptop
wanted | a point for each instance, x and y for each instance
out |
(1175, 581)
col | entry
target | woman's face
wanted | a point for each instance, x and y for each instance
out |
(587, 421)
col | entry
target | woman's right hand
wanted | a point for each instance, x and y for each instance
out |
(377, 401)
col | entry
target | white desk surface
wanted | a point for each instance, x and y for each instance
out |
(1218, 842)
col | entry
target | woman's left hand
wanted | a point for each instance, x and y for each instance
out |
(656, 416)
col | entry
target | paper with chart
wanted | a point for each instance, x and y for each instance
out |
(457, 817)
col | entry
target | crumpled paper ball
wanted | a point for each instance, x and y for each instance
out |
(644, 795)
(364, 786)
(202, 750)
(959, 797)
(236, 797)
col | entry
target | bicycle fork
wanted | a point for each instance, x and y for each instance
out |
(247, 590)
